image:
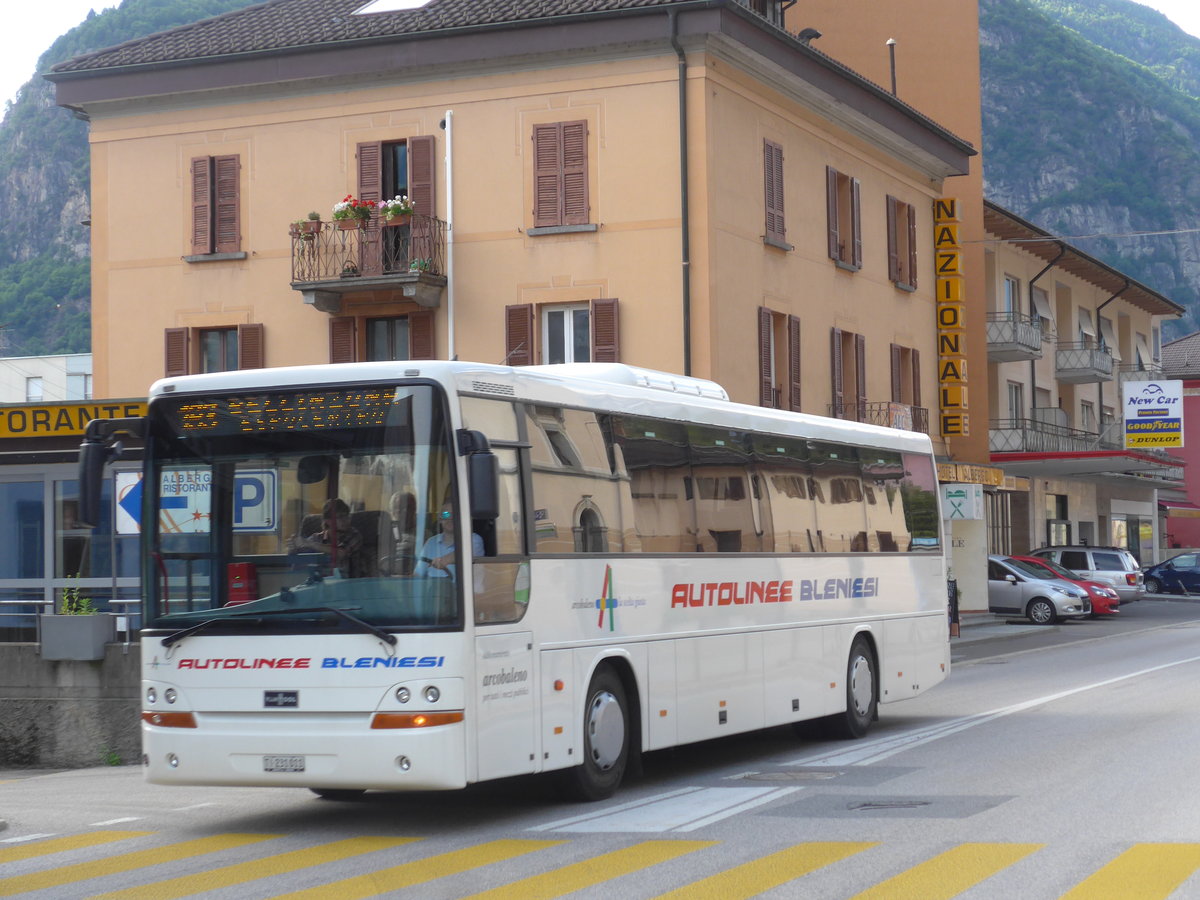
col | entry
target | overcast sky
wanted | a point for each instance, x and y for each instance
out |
(21, 45)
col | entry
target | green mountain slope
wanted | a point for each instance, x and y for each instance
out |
(44, 241)
(1083, 140)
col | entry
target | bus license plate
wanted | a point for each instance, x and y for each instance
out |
(283, 763)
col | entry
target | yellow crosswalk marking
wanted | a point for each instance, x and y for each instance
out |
(592, 871)
(1143, 872)
(752, 878)
(419, 871)
(36, 881)
(34, 849)
(949, 874)
(240, 873)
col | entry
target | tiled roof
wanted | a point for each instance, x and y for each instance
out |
(287, 24)
(1182, 356)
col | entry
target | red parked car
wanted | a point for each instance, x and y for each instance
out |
(1105, 600)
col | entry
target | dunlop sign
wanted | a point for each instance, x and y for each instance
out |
(1153, 414)
(62, 419)
(951, 321)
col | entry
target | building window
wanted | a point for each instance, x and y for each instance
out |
(1012, 297)
(79, 387)
(843, 212)
(34, 389)
(1087, 416)
(395, 337)
(572, 332)
(1086, 333)
(191, 350)
(848, 359)
(216, 222)
(1041, 310)
(1016, 400)
(775, 226)
(388, 169)
(560, 178)
(778, 360)
(902, 243)
(906, 380)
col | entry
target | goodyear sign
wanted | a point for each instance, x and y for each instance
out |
(63, 419)
(1153, 414)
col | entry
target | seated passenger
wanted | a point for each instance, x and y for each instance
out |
(437, 556)
(341, 540)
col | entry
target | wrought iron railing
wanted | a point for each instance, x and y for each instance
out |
(1083, 356)
(331, 252)
(1014, 328)
(1039, 436)
(893, 415)
(1135, 372)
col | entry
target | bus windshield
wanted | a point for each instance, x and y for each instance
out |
(301, 509)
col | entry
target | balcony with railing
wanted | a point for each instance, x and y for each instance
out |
(1012, 336)
(1038, 435)
(1082, 363)
(403, 262)
(1139, 372)
(892, 415)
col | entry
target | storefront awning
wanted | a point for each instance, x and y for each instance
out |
(1179, 509)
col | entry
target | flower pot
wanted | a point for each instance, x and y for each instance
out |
(76, 637)
(312, 226)
(393, 221)
(353, 224)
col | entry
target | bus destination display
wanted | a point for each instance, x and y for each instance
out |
(293, 411)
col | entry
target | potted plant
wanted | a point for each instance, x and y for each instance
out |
(311, 224)
(352, 213)
(79, 630)
(397, 211)
(420, 264)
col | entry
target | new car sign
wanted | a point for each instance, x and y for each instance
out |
(1153, 414)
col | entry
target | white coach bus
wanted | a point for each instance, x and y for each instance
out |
(421, 575)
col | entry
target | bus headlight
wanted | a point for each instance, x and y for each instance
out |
(432, 694)
(403, 694)
(170, 696)
(151, 696)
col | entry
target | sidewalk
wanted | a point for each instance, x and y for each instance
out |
(982, 626)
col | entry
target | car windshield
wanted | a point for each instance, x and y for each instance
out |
(1060, 571)
(1033, 570)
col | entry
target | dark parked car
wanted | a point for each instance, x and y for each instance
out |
(1177, 575)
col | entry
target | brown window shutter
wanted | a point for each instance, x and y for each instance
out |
(856, 225)
(420, 335)
(893, 249)
(518, 335)
(422, 175)
(606, 332)
(343, 343)
(176, 356)
(370, 170)
(575, 173)
(897, 387)
(916, 378)
(773, 190)
(251, 349)
(794, 363)
(912, 246)
(202, 205)
(226, 203)
(860, 373)
(547, 184)
(835, 375)
(766, 390)
(831, 211)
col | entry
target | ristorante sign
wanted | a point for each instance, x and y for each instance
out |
(951, 321)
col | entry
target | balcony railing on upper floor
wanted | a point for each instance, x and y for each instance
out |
(1082, 363)
(1012, 336)
(890, 414)
(1136, 372)
(332, 260)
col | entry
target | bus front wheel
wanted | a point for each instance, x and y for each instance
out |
(861, 694)
(605, 739)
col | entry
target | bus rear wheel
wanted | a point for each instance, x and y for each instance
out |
(862, 695)
(605, 739)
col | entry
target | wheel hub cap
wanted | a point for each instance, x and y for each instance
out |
(606, 730)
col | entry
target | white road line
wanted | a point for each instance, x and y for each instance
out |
(683, 810)
(880, 749)
(26, 837)
(115, 821)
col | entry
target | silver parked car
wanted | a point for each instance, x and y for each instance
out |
(1017, 588)
(1115, 566)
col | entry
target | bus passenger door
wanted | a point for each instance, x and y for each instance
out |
(504, 703)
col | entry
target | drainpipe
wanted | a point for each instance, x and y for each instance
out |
(448, 124)
(1033, 362)
(685, 236)
(1100, 384)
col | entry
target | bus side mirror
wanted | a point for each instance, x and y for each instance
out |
(99, 447)
(483, 474)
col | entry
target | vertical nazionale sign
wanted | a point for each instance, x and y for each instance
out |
(951, 321)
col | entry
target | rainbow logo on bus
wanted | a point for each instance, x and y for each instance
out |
(606, 600)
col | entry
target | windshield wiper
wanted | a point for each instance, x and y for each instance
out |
(385, 636)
